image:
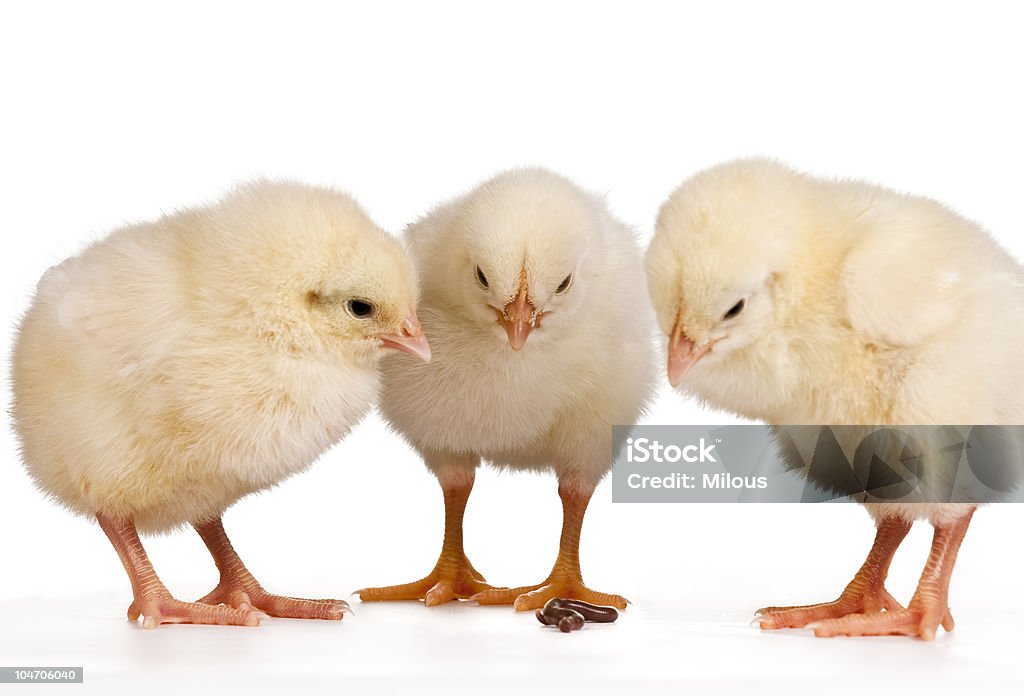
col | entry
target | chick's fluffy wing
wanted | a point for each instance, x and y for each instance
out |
(905, 279)
(119, 307)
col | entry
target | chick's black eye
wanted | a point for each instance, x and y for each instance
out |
(360, 309)
(481, 278)
(564, 285)
(735, 310)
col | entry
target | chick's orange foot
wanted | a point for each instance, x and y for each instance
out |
(566, 579)
(536, 596)
(453, 577)
(450, 580)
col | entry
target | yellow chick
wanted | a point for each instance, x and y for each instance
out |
(534, 299)
(179, 365)
(796, 300)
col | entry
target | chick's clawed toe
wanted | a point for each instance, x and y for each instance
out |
(910, 621)
(536, 596)
(928, 609)
(161, 608)
(769, 618)
(864, 595)
(566, 579)
(239, 589)
(450, 580)
(263, 602)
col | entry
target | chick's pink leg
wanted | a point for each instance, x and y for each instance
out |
(239, 589)
(453, 577)
(928, 608)
(866, 593)
(566, 578)
(152, 600)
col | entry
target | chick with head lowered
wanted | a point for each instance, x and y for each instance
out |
(795, 300)
(176, 366)
(533, 297)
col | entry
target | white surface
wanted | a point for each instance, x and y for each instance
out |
(699, 636)
(116, 112)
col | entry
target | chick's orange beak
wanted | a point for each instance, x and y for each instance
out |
(409, 339)
(683, 354)
(518, 319)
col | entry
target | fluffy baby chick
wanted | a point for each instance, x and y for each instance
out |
(178, 365)
(795, 300)
(533, 296)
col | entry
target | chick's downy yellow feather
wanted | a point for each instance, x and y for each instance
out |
(534, 301)
(797, 300)
(177, 365)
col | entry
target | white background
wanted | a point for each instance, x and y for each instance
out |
(117, 112)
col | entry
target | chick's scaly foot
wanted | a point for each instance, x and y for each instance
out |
(861, 603)
(929, 607)
(450, 580)
(865, 593)
(536, 596)
(256, 598)
(239, 589)
(911, 621)
(161, 608)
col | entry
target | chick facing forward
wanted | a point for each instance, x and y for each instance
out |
(796, 300)
(176, 366)
(534, 300)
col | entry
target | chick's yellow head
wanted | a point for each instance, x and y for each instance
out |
(528, 241)
(309, 270)
(718, 261)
